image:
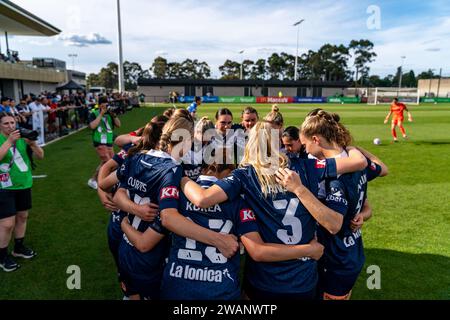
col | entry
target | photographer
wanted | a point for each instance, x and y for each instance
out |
(102, 122)
(15, 189)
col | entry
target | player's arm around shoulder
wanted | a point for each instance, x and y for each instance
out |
(355, 161)
(203, 198)
(384, 168)
(172, 220)
(146, 212)
(145, 241)
(260, 251)
(327, 217)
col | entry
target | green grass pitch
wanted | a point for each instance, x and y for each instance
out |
(408, 236)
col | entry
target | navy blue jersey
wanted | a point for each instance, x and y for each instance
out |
(235, 139)
(292, 156)
(151, 177)
(192, 162)
(114, 230)
(198, 271)
(344, 252)
(281, 219)
(120, 156)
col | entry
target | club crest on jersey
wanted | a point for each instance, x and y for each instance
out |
(229, 178)
(373, 166)
(320, 164)
(247, 215)
(169, 193)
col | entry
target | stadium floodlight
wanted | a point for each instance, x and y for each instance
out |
(241, 52)
(121, 77)
(431, 77)
(401, 73)
(297, 24)
(73, 56)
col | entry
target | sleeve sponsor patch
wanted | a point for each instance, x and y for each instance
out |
(122, 154)
(373, 166)
(320, 164)
(247, 215)
(169, 193)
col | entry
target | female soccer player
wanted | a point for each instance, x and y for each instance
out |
(203, 134)
(154, 176)
(292, 143)
(229, 135)
(280, 216)
(275, 118)
(224, 120)
(249, 118)
(196, 271)
(397, 109)
(325, 137)
(108, 183)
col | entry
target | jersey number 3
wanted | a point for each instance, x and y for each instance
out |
(289, 219)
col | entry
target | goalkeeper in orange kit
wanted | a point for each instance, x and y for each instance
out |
(397, 109)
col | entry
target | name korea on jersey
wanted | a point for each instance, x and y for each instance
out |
(215, 276)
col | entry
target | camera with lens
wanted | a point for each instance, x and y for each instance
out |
(112, 109)
(28, 134)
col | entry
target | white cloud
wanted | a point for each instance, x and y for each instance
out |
(78, 40)
(214, 31)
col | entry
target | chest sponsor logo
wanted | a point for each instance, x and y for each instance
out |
(351, 240)
(198, 274)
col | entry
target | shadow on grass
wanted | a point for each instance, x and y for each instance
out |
(431, 143)
(405, 276)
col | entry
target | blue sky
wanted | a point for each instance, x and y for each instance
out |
(215, 30)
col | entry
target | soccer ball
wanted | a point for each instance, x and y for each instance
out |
(377, 141)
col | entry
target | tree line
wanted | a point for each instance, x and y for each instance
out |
(329, 63)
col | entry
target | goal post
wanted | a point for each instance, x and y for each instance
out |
(381, 95)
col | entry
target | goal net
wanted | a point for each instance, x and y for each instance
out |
(385, 95)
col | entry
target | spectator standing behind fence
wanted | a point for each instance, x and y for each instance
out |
(15, 112)
(26, 113)
(38, 109)
(5, 105)
(15, 190)
(102, 123)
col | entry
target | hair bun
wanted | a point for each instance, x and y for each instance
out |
(336, 117)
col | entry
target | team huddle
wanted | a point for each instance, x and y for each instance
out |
(193, 201)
